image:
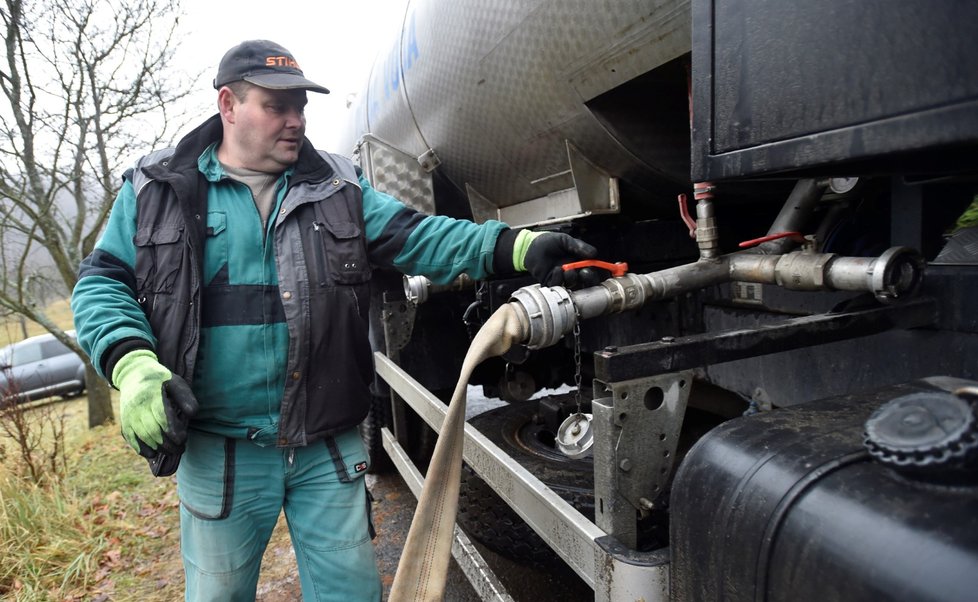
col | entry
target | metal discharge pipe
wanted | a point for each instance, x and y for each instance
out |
(552, 312)
(794, 216)
(417, 289)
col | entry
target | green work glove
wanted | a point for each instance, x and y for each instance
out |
(544, 253)
(155, 405)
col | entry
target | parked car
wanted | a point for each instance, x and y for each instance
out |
(40, 367)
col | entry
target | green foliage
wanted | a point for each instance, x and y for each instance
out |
(969, 218)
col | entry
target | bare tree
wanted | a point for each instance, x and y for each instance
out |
(35, 436)
(87, 87)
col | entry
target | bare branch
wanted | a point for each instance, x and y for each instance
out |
(84, 87)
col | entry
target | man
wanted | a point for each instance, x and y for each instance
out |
(231, 285)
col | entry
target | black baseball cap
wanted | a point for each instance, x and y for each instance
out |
(264, 64)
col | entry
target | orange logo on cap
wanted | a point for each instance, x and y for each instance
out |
(281, 61)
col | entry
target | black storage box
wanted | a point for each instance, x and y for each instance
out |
(855, 85)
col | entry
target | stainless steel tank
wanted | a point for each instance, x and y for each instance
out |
(535, 109)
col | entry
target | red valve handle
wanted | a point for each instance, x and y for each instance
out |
(795, 236)
(687, 218)
(616, 269)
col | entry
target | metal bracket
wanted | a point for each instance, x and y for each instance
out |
(398, 319)
(428, 160)
(620, 364)
(636, 433)
(615, 573)
(592, 191)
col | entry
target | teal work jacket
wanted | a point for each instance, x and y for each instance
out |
(268, 325)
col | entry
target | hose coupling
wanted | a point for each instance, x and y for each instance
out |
(549, 311)
(894, 275)
(417, 289)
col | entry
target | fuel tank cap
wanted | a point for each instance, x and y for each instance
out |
(927, 432)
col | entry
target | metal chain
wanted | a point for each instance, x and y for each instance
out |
(577, 358)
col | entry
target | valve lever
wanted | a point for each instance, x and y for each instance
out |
(616, 269)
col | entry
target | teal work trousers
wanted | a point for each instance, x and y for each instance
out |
(231, 494)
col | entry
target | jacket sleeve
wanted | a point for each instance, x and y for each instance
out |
(435, 246)
(108, 319)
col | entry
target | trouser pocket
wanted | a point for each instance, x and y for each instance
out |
(205, 479)
(351, 461)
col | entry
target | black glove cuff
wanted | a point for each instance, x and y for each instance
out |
(164, 465)
(502, 253)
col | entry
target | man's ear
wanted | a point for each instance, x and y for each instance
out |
(226, 103)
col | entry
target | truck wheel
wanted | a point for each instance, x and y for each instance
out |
(484, 515)
(377, 418)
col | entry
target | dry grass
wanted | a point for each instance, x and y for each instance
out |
(109, 530)
(12, 330)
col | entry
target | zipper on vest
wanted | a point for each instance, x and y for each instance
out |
(319, 258)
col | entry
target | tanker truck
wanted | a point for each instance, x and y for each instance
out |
(769, 389)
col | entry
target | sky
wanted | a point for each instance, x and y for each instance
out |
(334, 41)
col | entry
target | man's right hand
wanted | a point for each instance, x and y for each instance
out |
(155, 405)
(544, 253)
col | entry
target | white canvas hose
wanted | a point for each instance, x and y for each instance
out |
(423, 568)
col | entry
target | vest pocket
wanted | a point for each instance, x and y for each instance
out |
(341, 257)
(158, 258)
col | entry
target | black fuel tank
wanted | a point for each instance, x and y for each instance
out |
(789, 505)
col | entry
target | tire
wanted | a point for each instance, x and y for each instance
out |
(373, 440)
(420, 444)
(491, 522)
(484, 515)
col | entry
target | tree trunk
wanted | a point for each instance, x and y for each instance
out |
(99, 398)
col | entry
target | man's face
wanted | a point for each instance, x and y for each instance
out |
(267, 129)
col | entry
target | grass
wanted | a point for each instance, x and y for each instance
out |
(12, 331)
(108, 531)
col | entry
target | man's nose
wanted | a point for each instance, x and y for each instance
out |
(295, 118)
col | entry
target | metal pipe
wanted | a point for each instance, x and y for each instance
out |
(417, 289)
(552, 312)
(707, 233)
(686, 278)
(793, 217)
(892, 275)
